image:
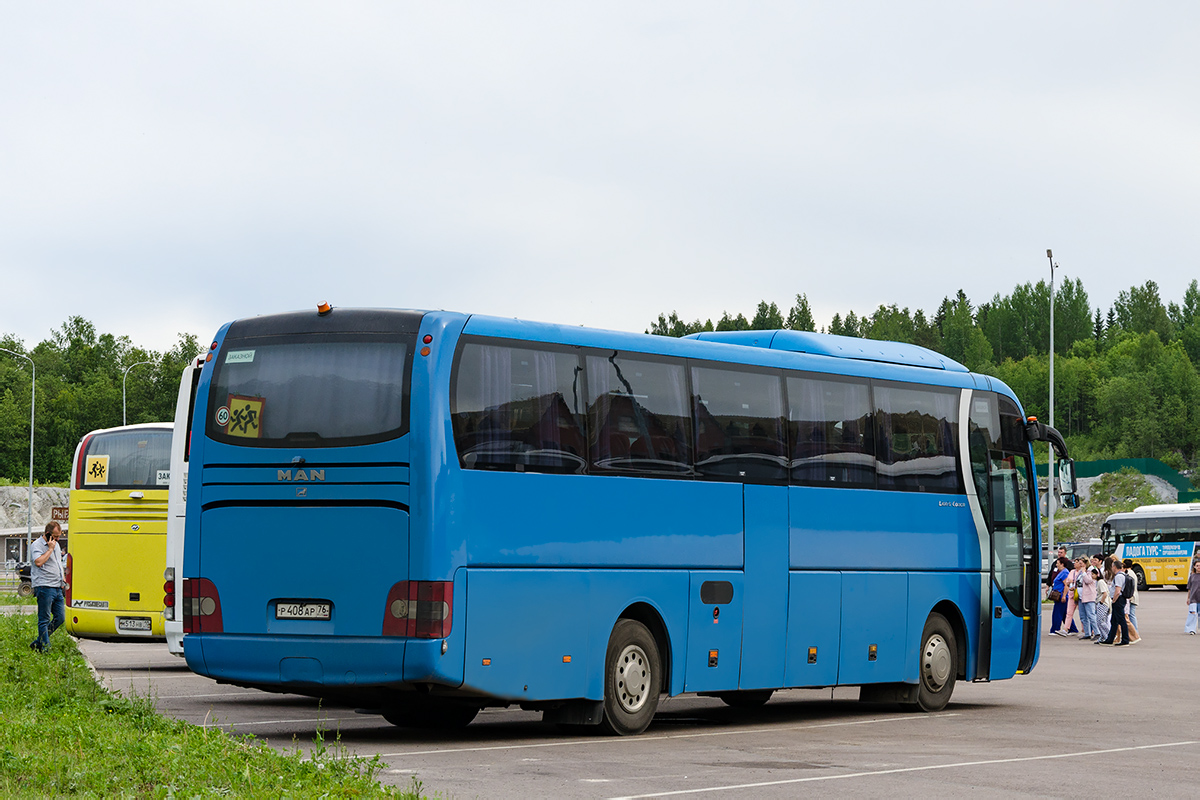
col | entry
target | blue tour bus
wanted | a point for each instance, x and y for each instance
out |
(427, 513)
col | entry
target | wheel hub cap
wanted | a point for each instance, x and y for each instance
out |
(631, 676)
(936, 662)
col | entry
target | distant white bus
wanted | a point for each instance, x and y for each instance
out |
(1160, 540)
(177, 506)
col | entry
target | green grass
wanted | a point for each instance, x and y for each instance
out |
(13, 599)
(63, 734)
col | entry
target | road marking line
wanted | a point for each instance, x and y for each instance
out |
(272, 722)
(631, 739)
(900, 770)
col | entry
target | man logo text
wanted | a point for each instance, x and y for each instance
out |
(301, 475)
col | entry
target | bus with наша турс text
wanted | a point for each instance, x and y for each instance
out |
(118, 513)
(428, 513)
(1159, 539)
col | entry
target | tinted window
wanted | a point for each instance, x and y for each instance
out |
(518, 408)
(314, 391)
(129, 459)
(831, 432)
(739, 424)
(917, 440)
(638, 418)
(1012, 427)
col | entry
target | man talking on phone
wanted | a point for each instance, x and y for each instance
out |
(46, 575)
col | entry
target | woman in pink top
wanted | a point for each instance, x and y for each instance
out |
(1086, 584)
(1068, 624)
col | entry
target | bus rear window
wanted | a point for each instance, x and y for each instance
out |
(310, 391)
(128, 459)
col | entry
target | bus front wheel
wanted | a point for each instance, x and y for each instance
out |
(632, 677)
(938, 664)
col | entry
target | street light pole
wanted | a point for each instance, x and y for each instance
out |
(1050, 500)
(32, 398)
(123, 378)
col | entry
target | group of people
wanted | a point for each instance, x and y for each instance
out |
(1102, 591)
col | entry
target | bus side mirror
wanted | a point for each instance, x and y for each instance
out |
(1066, 477)
(1070, 501)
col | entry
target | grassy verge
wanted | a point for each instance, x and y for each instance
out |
(14, 599)
(61, 733)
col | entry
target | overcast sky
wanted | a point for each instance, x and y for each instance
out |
(168, 167)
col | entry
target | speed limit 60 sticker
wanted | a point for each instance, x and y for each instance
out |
(223, 416)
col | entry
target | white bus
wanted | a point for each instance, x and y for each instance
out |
(1160, 540)
(177, 507)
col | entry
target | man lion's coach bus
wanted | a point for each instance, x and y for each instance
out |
(118, 512)
(427, 513)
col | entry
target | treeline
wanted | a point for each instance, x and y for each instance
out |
(79, 376)
(1126, 384)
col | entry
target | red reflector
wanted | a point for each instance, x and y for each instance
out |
(421, 609)
(428, 339)
(201, 607)
(169, 587)
(169, 601)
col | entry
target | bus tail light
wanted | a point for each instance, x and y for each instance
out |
(169, 593)
(81, 464)
(201, 607)
(420, 609)
(67, 581)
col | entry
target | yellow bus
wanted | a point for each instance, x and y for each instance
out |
(119, 483)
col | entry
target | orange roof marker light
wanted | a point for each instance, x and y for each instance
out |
(323, 308)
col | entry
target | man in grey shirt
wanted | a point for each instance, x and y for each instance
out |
(46, 575)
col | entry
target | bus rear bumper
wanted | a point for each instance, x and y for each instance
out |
(91, 623)
(306, 664)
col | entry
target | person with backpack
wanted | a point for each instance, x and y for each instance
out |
(1120, 599)
(1131, 608)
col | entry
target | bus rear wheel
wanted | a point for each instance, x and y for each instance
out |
(938, 664)
(1141, 578)
(431, 715)
(632, 677)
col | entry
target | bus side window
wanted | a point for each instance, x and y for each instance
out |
(517, 409)
(740, 432)
(832, 432)
(917, 440)
(638, 417)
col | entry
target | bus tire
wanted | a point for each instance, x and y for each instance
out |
(26, 589)
(431, 716)
(632, 679)
(753, 698)
(1141, 578)
(938, 664)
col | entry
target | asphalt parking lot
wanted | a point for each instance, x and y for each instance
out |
(1085, 715)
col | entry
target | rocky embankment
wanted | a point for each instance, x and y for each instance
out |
(14, 502)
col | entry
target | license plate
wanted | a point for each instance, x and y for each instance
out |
(135, 624)
(303, 610)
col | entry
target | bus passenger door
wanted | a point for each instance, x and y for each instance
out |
(714, 632)
(1014, 583)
